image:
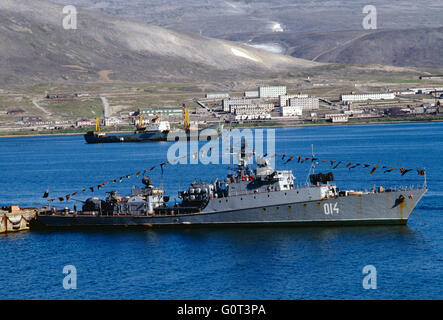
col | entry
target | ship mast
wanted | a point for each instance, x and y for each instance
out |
(312, 168)
(243, 158)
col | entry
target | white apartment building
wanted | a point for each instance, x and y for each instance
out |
(251, 108)
(217, 95)
(309, 103)
(227, 103)
(271, 91)
(283, 100)
(291, 111)
(337, 117)
(251, 94)
(365, 97)
(252, 111)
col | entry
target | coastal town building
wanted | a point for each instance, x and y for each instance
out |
(251, 94)
(337, 118)
(161, 111)
(251, 108)
(283, 100)
(306, 103)
(227, 103)
(366, 97)
(84, 123)
(271, 91)
(219, 95)
(291, 111)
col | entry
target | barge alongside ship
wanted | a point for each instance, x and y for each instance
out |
(263, 196)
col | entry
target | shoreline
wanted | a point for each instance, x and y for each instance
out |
(243, 126)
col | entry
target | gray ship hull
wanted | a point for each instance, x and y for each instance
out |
(266, 209)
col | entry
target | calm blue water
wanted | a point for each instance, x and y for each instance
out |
(266, 263)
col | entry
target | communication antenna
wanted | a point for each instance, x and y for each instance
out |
(425, 183)
(312, 168)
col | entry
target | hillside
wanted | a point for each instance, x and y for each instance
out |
(223, 19)
(35, 47)
(420, 47)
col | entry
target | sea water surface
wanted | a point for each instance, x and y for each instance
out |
(230, 263)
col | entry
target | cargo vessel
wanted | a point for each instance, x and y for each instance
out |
(260, 197)
(156, 130)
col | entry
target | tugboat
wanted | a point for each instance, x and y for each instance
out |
(260, 197)
(156, 130)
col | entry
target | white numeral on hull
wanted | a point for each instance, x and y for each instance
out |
(331, 208)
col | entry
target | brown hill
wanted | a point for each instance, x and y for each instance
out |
(35, 47)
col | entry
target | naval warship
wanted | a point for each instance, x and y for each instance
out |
(263, 196)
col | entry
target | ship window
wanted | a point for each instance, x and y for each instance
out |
(289, 207)
(241, 198)
(264, 209)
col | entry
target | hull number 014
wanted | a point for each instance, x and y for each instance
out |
(331, 208)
